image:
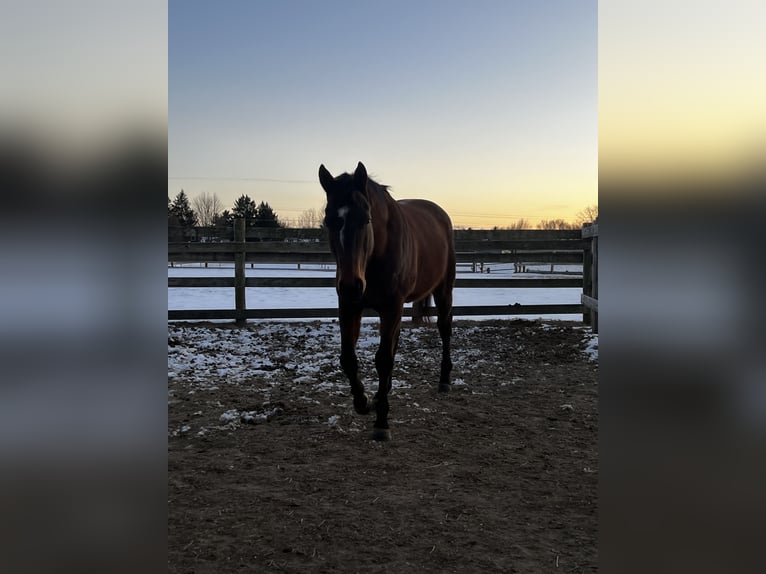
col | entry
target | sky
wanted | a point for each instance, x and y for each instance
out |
(488, 108)
(681, 89)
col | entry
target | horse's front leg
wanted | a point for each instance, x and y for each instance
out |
(350, 322)
(390, 323)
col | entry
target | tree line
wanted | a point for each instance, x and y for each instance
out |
(586, 215)
(205, 212)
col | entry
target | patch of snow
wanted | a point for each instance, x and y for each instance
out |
(591, 347)
(253, 417)
(396, 384)
(229, 416)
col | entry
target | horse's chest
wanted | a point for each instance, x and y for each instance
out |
(379, 286)
(385, 286)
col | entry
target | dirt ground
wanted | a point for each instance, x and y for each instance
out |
(270, 470)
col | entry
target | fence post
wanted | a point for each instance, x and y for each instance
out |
(590, 276)
(594, 282)
(587, 277)
(239, 273)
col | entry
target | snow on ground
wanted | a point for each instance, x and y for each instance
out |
(300, 356)
(591, 346)
(206, 357)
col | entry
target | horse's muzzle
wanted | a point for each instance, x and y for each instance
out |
(351, 292)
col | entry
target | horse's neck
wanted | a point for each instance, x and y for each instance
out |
(384, 207)
(389, 225)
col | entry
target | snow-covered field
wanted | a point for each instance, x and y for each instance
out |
(285, 298)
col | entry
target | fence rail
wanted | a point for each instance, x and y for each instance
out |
(472, 246)
(327, 313)
(277, 234)
(330, 282)
(191, 253)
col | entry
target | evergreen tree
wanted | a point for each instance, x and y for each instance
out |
(224, 225)
(175, 231)
(244, 207)
(181, 209)
(265, 216)
(224, 218)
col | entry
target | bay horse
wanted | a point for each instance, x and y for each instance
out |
(387, 252)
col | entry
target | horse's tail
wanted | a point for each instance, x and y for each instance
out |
(420, 311)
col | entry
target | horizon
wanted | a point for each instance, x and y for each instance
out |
(291, 222)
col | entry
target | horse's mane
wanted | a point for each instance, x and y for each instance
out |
(383, 191)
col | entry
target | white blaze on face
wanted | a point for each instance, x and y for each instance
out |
(342, 212)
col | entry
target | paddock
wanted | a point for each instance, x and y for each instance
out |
(270, 469)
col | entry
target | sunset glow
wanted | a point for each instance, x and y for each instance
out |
(488, 108)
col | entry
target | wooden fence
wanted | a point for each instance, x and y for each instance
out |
(589, 297)
(473, 247)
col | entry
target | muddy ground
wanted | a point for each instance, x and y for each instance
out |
(270, 470)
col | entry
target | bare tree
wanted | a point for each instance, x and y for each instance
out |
(520, 224)
(556, 224)
(587, 215)
(208, 207)
(310, 219)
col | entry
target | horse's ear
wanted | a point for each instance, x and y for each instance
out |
(360, 178)
(325, 178)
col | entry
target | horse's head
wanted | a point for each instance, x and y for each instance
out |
(348, 218)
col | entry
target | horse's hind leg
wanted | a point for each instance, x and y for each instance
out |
(443, 301)
(420, 311)
(350, 323)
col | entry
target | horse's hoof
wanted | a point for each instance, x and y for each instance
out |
(381, 435)
(443, 387)
(362, 406)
